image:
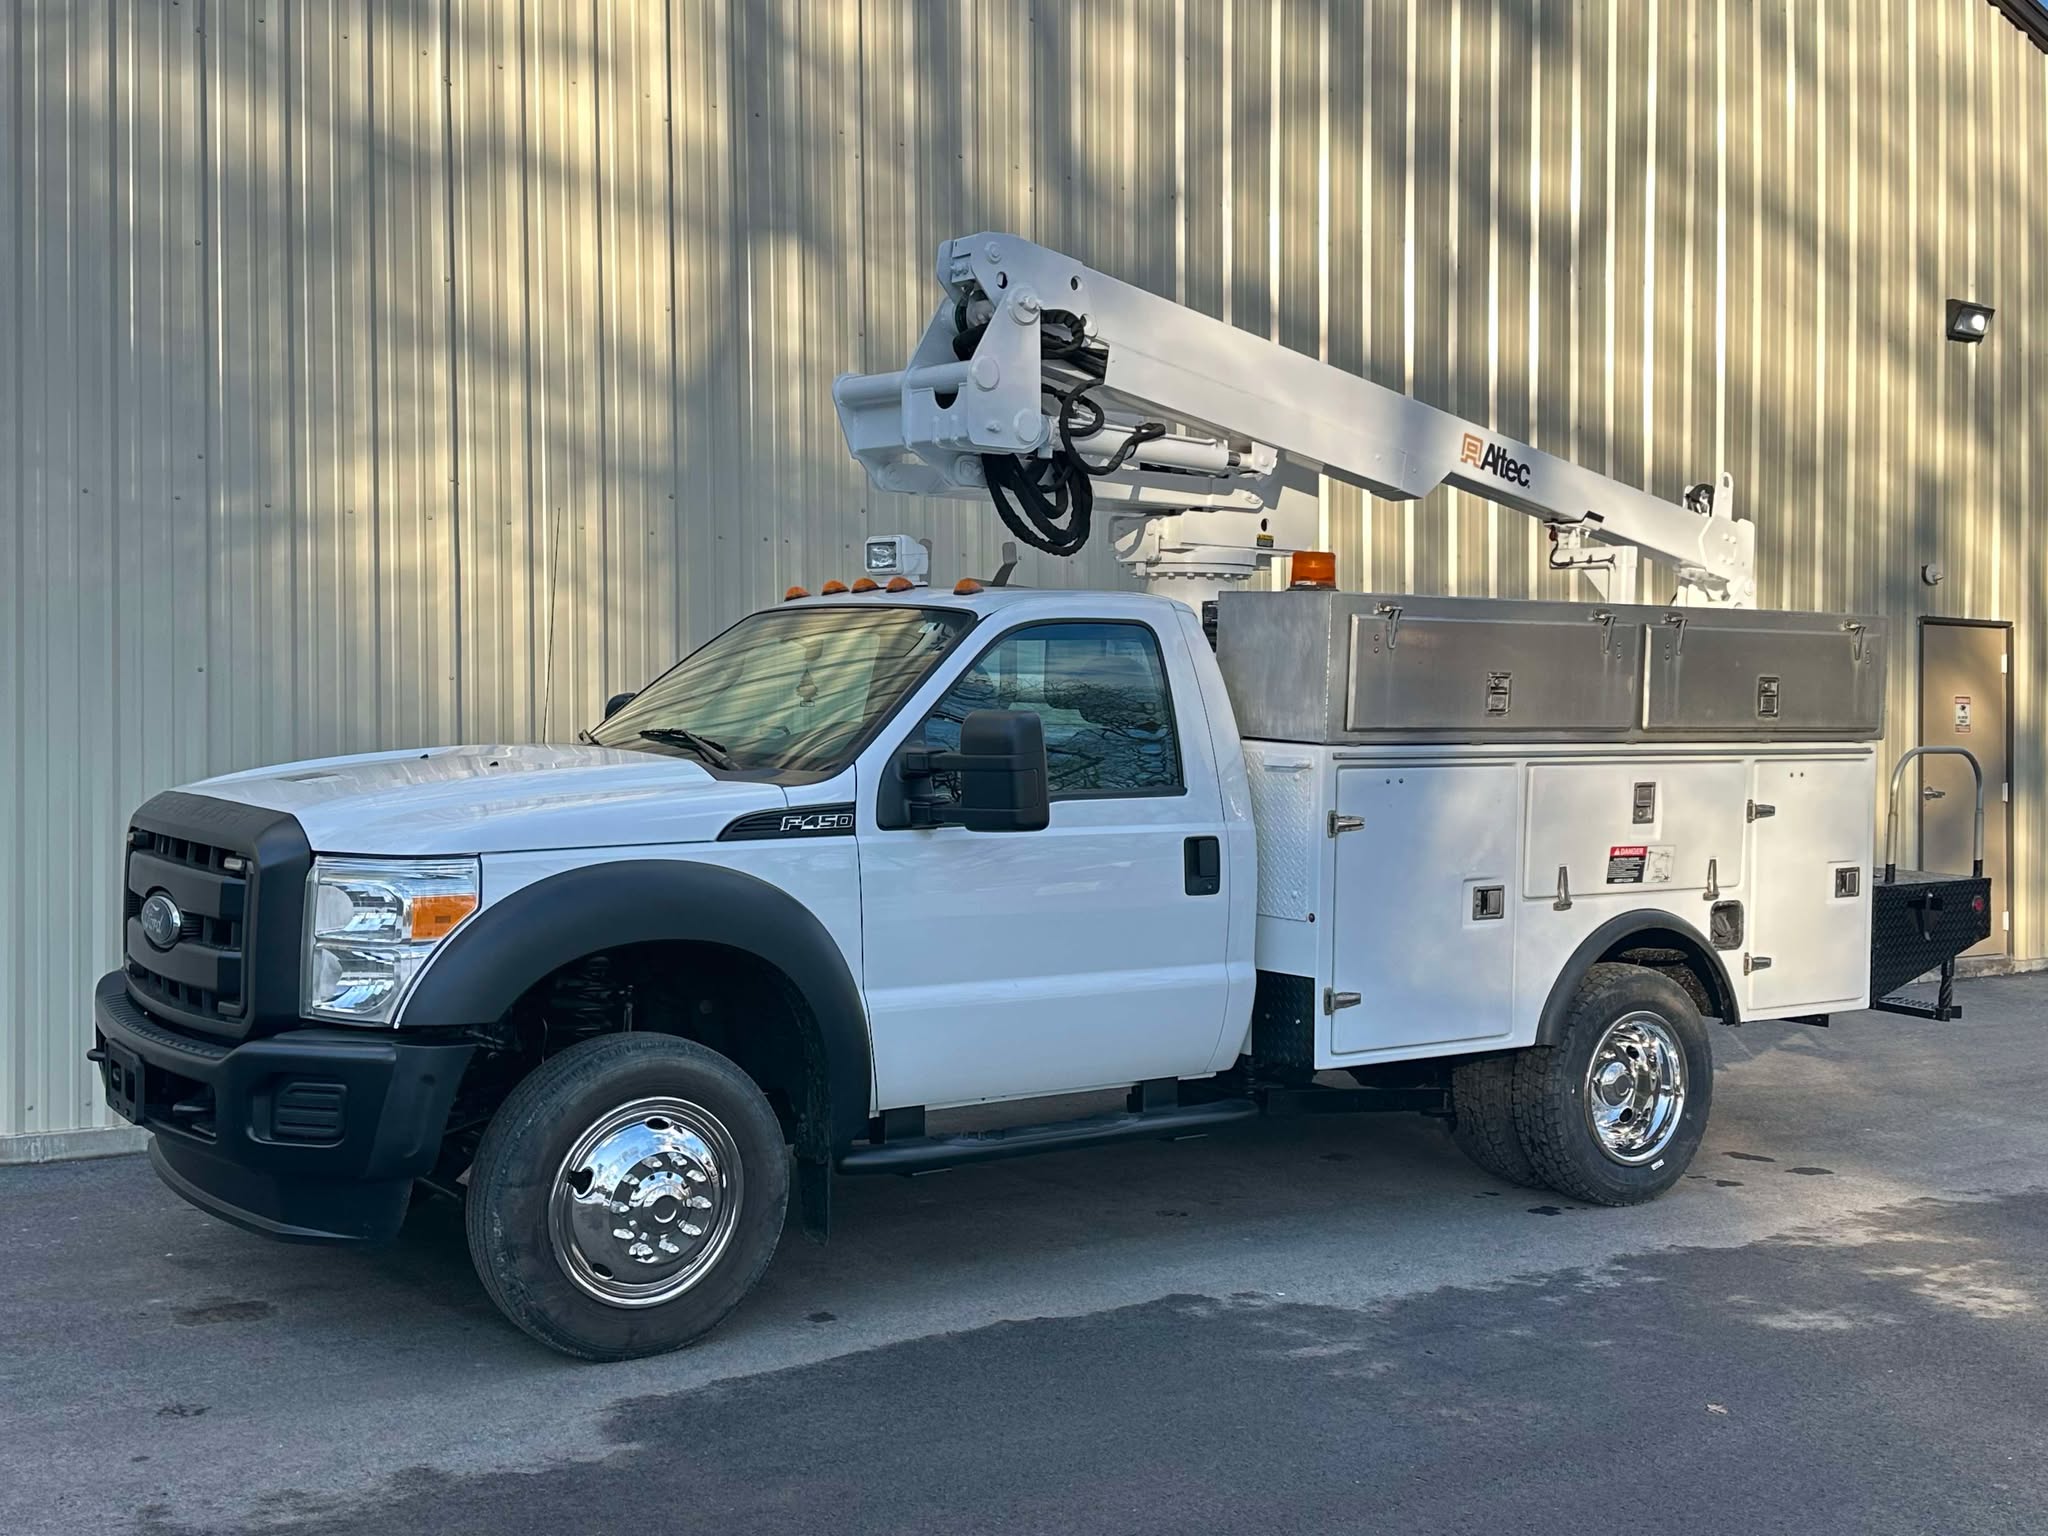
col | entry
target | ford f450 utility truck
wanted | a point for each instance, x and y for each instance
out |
(894, 848)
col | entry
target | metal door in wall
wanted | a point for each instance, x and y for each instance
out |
(1965, 701)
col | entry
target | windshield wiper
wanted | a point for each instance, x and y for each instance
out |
(680, 736)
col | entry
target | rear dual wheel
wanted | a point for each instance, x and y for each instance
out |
(1610, 1114)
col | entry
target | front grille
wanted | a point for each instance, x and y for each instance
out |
(237, 875)
(201, 973)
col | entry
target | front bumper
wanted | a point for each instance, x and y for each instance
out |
(314, 1135)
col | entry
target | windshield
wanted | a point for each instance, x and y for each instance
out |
(792, 691)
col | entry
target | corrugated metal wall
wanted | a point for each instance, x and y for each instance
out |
(392, 371)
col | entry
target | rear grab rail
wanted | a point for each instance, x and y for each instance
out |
(1891, 825)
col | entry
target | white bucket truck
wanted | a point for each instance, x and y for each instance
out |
(892, 849)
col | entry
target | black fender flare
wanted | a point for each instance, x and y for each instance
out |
(491, 960)
(1668, 932)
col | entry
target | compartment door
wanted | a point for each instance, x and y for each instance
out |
(1425, 907)
(1810, 902)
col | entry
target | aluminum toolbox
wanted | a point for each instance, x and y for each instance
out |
(1769, 676)
(1345, 667)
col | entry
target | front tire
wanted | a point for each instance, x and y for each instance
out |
(628, 1193)
(1614, 1111)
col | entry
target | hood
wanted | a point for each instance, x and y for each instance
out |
(457, 800)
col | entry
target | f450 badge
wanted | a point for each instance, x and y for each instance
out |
(805, 821)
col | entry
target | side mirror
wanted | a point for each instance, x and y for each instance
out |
(617, 702)
(1001, 769)
(1001, 763)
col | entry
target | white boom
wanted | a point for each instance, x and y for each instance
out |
(1049, 386)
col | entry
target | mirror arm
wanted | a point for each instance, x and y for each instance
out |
(915, 766)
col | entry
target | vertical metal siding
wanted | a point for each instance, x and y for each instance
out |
(377, 373)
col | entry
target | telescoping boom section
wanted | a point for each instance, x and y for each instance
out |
(1050, 387)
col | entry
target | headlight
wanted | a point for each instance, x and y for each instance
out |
(370, 925)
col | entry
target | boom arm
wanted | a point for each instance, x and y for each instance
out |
(1204, 440)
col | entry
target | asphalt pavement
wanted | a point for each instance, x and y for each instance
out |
(1834, 1324)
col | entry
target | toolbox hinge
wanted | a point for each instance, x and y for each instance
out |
(1755, 963)
(1759, 812)
(1341, 824)
(1333, 1000)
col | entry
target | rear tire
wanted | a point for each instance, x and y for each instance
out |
(626, 1195)
(1614, 1111)
(1483, 1120)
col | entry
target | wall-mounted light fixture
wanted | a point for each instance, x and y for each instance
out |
(1967, 321)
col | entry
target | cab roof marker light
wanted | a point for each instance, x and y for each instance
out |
(794, 593)
(966, 586)
(866, 584)
(832, 588)
(901, 584)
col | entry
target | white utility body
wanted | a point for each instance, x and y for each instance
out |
(1385, 920)
(896, 849)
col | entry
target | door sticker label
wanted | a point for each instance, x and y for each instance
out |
(1639, 864)
(1962, 714)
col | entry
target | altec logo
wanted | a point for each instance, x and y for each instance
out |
(1493, 459)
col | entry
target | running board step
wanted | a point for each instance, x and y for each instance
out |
(924, 1154)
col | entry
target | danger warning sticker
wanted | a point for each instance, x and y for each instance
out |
(1962, 714)
(1625, 865)
(1639, 864)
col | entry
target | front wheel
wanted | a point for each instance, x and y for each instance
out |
(1614, 1111)
(626, 1195)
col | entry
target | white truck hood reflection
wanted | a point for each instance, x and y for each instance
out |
(453, 800)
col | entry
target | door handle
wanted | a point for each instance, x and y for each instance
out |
(1203, 860)
(1931, 793)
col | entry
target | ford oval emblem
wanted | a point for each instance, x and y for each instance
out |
(162, 922)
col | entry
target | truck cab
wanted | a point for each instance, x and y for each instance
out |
(780, 850)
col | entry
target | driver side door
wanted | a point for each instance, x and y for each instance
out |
(1087, 954)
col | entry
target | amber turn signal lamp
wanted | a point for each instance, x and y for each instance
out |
(1313, 570)
(435, 917)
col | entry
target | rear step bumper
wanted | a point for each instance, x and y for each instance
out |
(925, 1154)
(1920, 922)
